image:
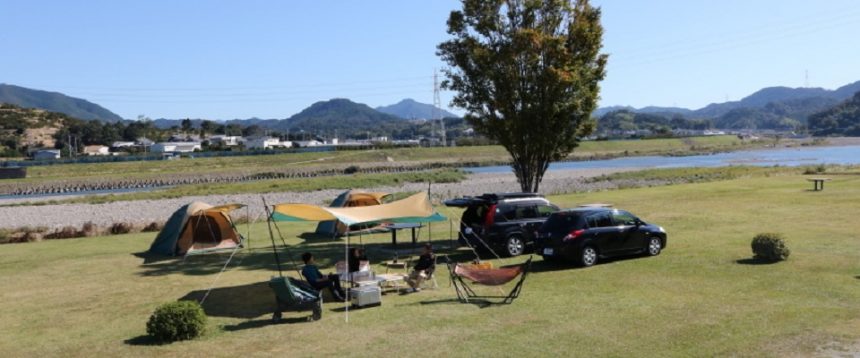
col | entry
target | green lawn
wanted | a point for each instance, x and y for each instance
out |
(701, 297)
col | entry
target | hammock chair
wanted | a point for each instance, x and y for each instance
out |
(488, 277)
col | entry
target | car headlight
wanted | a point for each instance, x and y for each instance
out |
(660, 228)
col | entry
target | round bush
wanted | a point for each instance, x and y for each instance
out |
(176, 321)
(770, 247)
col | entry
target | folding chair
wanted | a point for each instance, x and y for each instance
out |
(289, 297)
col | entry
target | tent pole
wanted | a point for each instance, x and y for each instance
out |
(346, 261)
(272, 236)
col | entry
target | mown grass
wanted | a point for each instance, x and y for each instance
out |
(701, 297)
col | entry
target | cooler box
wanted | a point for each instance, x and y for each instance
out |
(364, 296)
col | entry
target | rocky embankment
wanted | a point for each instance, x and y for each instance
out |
(143, 212)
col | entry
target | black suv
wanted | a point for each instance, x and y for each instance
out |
(586, 233)
(505, 221)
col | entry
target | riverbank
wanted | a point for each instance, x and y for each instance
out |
(142, 212)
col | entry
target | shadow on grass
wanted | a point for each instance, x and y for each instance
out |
(755, 261)
(259, 323)
(245, 301)
(143, 340)
(480, 303)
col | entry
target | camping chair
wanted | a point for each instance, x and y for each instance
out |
(429, 282)
(488, 277)
(290, 297)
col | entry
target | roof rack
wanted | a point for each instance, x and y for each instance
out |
(499, 196)
(596, 205)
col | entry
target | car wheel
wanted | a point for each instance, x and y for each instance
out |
(515, 245)
(654, 246)
(588, 256)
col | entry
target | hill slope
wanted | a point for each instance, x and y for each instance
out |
(345, 117)
(843, 119)
(411, 109)
(55, 102)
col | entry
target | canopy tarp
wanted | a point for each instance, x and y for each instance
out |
(415, 208)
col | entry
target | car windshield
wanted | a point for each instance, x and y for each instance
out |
(561, 221)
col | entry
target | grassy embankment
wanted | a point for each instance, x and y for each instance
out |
(701, 297)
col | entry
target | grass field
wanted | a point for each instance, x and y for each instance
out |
(263, 163)
(700, 297)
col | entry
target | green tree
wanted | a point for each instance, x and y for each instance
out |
(206, 127)
(186, 125)
(527, 73)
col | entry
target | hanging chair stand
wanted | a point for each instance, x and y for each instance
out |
(490, 277)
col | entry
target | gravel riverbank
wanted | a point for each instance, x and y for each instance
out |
(146, 211)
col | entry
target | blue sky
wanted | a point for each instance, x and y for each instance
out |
(270, 59)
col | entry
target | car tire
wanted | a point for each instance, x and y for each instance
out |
(587, 257)
(655, 246)
(515, 245)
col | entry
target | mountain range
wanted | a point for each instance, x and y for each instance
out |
(768, 108)
(411, 109)
(55, 102)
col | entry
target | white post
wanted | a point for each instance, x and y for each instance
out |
(346, 261)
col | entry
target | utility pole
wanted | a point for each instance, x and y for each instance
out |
(437, 104)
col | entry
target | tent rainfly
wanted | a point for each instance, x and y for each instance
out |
(348, 199)
(413, 209)
(198, 228)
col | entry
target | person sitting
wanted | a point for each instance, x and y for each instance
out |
(356, 256)
(319, 281)
(423, 269)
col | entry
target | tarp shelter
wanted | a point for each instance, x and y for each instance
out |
(348, 199)
(197, 228)
(413, 209)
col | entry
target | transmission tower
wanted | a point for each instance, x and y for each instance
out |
(437, 104)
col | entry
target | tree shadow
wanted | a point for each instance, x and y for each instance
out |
(754, 261)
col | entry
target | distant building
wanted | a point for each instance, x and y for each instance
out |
(176, 147)
(266, 143)
(122, 144)
(96, 150)
(226, 140)
(46, 154)
(309, 143)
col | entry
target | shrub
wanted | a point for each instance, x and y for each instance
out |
(89, 229)
(120, 228)
(352, 169)
(770, 247)
(176, 321)
(153, 226)
(67, 232)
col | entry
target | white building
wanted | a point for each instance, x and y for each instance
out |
(226, 140)
(96, 150)
(122, 144)
(309, 143)
(176, 147)
(46, 154)
(265, 143)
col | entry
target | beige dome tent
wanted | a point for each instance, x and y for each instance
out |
(197, 228)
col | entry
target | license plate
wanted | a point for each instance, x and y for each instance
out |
(547, 251)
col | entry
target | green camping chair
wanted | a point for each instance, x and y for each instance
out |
(288, 297)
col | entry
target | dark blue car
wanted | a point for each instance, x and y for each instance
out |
(585, 234)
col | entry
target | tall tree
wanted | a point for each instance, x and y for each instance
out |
(527, 73)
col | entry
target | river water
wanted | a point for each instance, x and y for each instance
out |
(846, 155)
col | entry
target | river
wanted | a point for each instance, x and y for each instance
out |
(846, 155)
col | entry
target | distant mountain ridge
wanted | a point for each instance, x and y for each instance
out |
(411, 109)
(55, 102)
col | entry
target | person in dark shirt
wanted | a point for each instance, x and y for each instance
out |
(319, 281)
(423, 268)
(356, 255)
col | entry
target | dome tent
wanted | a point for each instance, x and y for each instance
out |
(349, 199)
(198, 228)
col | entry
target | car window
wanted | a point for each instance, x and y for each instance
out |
(526, 212)
(623, 218)
(561, 222)
(545, 210)
(600, 220)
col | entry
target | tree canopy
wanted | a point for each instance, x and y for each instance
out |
(527, 73)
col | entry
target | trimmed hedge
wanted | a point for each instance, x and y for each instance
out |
(177, 321)
(770, 247)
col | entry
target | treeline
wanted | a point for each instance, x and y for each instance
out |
(843, 119)
(625, 120)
